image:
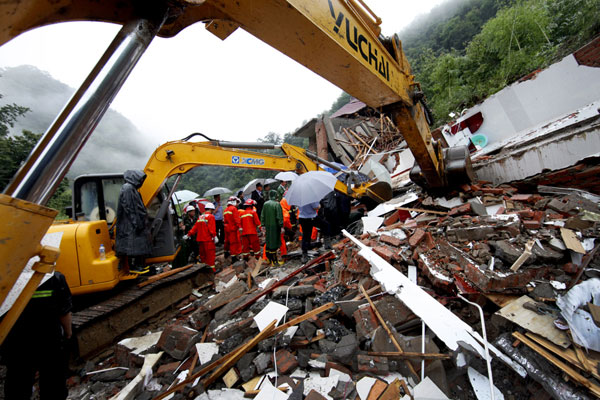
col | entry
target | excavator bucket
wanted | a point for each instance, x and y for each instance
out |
(23, 226)
(379, 191)
(457, 169)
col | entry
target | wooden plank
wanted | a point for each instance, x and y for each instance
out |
(501, 300)
(571, 240)
(158, 277)
(542, 325)
(239, 353)
(409, 354)
(592, 387)
(257, 267)
(387, 329)
(303, 318)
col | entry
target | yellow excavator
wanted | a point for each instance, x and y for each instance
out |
(337, 39)
(95, 199)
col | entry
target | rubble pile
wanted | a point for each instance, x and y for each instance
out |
(340, 328)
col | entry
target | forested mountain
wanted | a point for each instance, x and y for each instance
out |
(121, 145)
(469, 51)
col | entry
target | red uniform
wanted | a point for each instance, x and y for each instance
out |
(250, 221)
(231, 218)
(205, 230)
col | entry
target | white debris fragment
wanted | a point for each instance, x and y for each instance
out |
(481, 386)
(138, 345)
(321, 385)
(272, 311)
(426, 389)
(371, 224)
(206, 351)
(270, 392)
(558, 285)
(363, 387)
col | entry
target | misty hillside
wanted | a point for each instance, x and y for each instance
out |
(114, 146)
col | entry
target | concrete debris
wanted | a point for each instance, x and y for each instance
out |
(518, 252)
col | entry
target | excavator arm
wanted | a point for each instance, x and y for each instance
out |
(337, 39)
(178, 157)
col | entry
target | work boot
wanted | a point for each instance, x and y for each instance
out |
(304, 257)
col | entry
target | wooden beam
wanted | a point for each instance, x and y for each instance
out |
(576, 376)
(387, 329)
(239, 353)
(408, 354)
(158, 277)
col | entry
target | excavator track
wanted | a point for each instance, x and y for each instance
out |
(97, 326)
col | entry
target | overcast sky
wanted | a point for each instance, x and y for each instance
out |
(239, 89)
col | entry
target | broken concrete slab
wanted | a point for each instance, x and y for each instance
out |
(177, 340)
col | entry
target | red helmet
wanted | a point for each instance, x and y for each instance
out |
(249, 202)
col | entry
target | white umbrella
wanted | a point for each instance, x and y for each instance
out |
(181, 196)
(286, 176)
(250, 186)
(216, 190)
(310, 187)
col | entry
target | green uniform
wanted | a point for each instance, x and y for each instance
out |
(272, 219)
(280, 192)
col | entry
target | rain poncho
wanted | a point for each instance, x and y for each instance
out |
(133, 237)
(272, 219)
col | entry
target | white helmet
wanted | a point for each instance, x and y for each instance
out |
(209, 206)
(189, 208)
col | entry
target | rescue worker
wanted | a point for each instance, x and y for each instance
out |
(189, 220)
(206, 235)
(133, 235)
(272, 220)
(231, 218)
(281, 189)
(307, 217)
(218, 215)
(288, 215)
(250, 222)
(37, 343)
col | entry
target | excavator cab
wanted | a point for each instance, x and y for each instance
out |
(94, 210)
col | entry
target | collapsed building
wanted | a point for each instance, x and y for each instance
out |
(489, 292)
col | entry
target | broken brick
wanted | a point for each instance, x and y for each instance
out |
(532, 224)
(385, 252)
(570, 268)
(391, 240)
(374, 364)
(177, 340)
(366, 321)
(286, 362)
(167, 368)
(461, 210)
(416, 238)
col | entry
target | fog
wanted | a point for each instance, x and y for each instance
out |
(115, 145)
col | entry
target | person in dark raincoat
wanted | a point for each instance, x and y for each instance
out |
(133, 236)
(272, 219)
(38, 342)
